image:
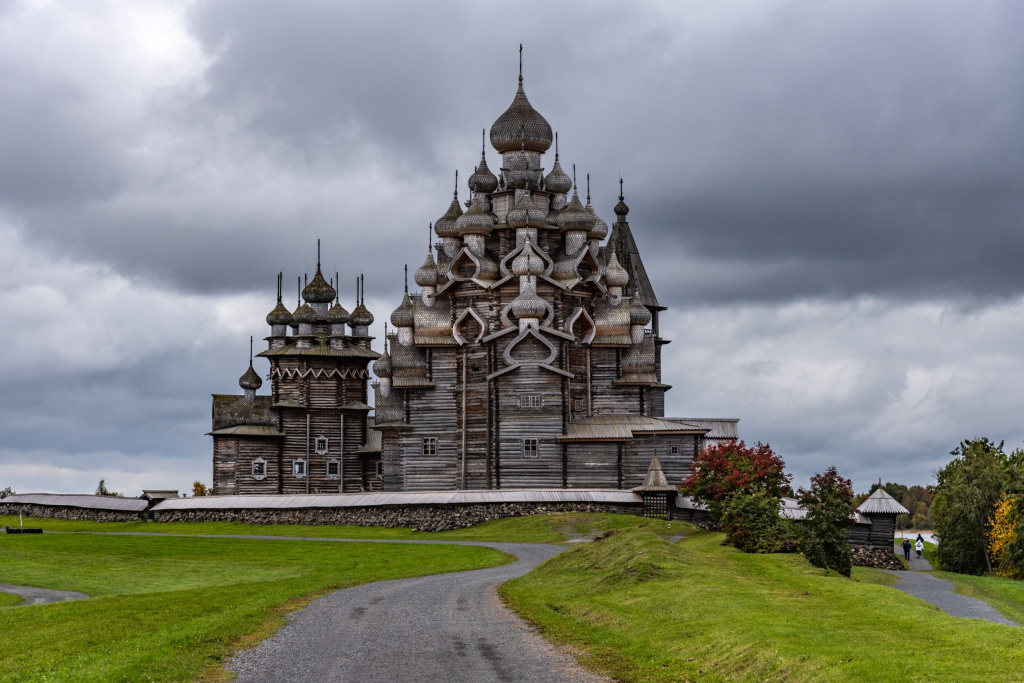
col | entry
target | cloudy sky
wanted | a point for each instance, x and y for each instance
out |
(829, 197)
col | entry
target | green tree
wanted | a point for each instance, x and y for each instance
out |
(102, 490)
(968, 490)
(6, 492)
(829, 504)
(751, 522)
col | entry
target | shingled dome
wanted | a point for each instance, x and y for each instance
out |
(881, 503)
(250, 380)
(521, 124)
(319, 291)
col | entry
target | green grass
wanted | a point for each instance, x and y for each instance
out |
(171, 608)
(642, 609)
(8, 600)
(558, 528)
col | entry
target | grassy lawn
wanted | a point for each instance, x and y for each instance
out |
(170, 608)
(643, 609)
(8, 600)
(533, 529)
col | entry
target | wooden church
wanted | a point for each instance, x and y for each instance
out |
(529, 358)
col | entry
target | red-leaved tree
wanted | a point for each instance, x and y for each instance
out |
(732, 467)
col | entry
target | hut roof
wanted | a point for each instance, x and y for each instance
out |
(79, 501)
(881, 503)
(373, 439)
(655, 480)
(623, 427)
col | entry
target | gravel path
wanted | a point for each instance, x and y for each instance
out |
(939, 592)
(447, 627)
(40, 596)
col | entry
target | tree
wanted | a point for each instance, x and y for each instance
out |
(751, 522)
(6, 492)
(732, 467)
(101, 490)
(199, 489)
(829, 504)
(968, 490)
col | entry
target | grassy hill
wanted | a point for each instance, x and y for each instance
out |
(643, 609)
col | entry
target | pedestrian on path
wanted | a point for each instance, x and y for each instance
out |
(920, 546)
(906, 548)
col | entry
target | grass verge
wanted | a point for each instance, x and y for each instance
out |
(642, 609)
(172, 608)
(9, 600)
(556, 528)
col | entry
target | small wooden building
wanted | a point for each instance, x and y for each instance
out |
(875, 524)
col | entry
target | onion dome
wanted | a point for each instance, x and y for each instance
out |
(304, 314)
(280, 315)
(519, 174)
(475, 221)
(319, 291)
(405, 314)
(250, 380)
(621, 209)
(638, 314)
(482, 179)
(600, 229)
(614, 274)
(525, 214)
(445, 225)
(527, 262)
(575, 217)
(337, 315)
(361, 316)
(558, 181)
(528, 305)
(382, 366)
(426, 275)
(521, 123)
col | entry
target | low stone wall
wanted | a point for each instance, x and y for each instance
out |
(416, 517)
(879, 558)
(70, 513)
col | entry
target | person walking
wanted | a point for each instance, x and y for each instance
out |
(920, 546)
(906, 548)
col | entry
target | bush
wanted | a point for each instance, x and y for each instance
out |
(725, 469)
(829, 504)
(751, 522)
(199, 489)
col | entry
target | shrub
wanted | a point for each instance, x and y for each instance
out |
(199, 489)
(751, 522)
(732, 467)
(829, 504)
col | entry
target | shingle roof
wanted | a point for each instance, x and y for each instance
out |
(628, 254)
(231, 411)
(623, 427)
(321, 347)
(881, 502)
(79, 501)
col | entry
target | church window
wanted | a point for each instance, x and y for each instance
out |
(259, 468)
(320, 445)
(530, 448)
(577, 405)
(333, 469)
(299, 468)
(674, 450)
(529, 401)
(429, 445)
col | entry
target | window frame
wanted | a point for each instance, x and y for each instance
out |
(258, 476)
(531, 401)
(531, 447)
(317, 448)
(295, 467)
(673, 449)
(429, 448)
(379, 469)
(337, 466)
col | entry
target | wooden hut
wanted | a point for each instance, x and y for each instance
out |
(875, 521)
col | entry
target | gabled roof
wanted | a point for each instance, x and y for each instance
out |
(79, 501)
(626, 251)
(881, 502)
(231, 410)
(373, 439)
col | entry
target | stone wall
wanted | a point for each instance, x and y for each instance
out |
(416, 517)
(879, 558)
(70, 513)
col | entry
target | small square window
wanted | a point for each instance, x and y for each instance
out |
(429, 445)
(333, 468)
(577, 405)
(259, 468)
(529, 401)
(320, 445)
(380, 468)
(299, 468)
(530, 448)
(674, 450)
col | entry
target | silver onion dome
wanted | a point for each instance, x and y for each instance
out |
(482, 179)
(337, 315)
(382, 366)
(521, 123)
(638, 314)
(426, 275)
(405, 314)
(319, 291)
(304, 314)
(614, 274)
(575, 217)
(475, 221)
(250, 380)
(445, 225)
(528, 305)
(558, 181)
(361, 316)
(527, 262)
(524, 213)
(280, 315)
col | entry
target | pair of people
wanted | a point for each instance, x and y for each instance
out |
(918, 545)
